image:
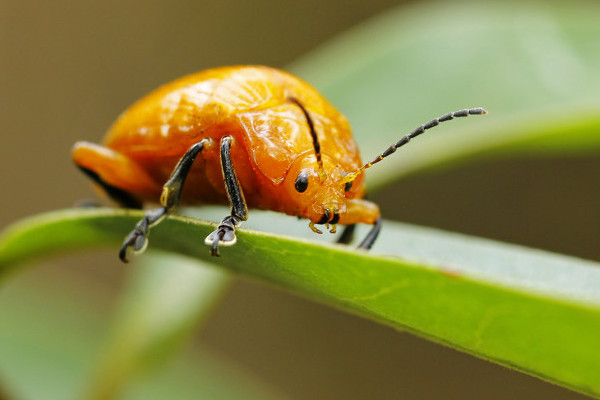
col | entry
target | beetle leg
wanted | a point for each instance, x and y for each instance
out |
(368, 241)
(137, 240)
(347, 234)
(120, 177)
(225, 232)
(120, 196)
(361, 211)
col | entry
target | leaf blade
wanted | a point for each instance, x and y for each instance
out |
(552, 336)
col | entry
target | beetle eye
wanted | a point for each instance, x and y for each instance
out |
(302, 181)
(348, 186)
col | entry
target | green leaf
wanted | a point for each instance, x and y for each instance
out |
(50, 331)
(531, 310)
(165, 299)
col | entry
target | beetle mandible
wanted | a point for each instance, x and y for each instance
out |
(248, 136)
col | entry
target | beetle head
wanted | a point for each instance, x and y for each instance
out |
(320, 195)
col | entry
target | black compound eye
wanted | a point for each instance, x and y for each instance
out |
(302, 181)
(348, 186)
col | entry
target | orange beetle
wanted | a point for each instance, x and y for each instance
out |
(248, 136)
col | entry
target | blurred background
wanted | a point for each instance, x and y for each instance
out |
(68, 68)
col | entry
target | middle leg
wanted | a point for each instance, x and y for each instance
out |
(225, 232)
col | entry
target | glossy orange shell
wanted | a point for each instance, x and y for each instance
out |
(249, 103)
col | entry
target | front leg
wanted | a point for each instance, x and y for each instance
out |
(368, 241)
(361, 211)
(225, 232)
(137, 241)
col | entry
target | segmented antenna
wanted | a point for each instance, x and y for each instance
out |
(434, 122)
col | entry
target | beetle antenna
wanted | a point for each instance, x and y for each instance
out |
(313, 133)
(434, 122)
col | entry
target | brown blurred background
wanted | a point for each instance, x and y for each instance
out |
(68, 68)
